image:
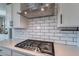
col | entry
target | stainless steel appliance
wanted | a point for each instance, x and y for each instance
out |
(38, 46)
(36, 10)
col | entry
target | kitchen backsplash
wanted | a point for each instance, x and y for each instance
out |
(46, 29)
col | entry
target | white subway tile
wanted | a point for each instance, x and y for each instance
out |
(67, 39)
(54, 38)
(58, 41)
(66, 32)
(71, 43)
(48, 31)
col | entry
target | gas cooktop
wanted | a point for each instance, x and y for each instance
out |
(38, 46)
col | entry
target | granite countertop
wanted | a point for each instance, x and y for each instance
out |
(60, 49)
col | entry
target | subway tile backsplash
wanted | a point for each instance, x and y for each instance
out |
(46, 29)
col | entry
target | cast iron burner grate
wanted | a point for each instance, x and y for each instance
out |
(39, 46)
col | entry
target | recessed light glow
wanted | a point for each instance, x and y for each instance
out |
(42, 9)
(19, 11)
(25, 12)
(38, 27)
(47, 4)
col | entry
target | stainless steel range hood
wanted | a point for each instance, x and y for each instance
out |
(36, 10)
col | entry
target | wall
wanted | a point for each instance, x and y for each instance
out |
(46, 29)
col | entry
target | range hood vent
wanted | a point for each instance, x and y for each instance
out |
(36, 10)
(69, 28)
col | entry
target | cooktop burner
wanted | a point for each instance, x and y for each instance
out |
(38, 46)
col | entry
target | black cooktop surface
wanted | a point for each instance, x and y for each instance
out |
(38, 46)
